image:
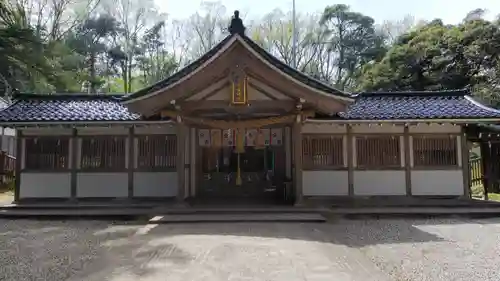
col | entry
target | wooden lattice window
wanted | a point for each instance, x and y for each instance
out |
(378, 152)
(432, 151)
(322, 152)
(46, 153)
(103, 153)
(157, 152)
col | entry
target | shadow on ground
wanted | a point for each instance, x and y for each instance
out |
(95, 250)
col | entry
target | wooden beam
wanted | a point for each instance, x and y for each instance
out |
(253, 83)
(190, 106)
(323, 102)
(208, 91)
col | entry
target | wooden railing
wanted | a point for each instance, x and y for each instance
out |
(7, 167)
(476, 172)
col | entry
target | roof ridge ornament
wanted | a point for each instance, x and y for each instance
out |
(236, 26)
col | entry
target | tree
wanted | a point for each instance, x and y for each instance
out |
(22, 54)
(208, 27)
(353, 39)
(155, 62)
(88, 41)
(438, 56)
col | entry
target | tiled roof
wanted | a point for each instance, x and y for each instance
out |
(418, 105)
(367, 106)
(303, 78)
(300, 76)
(66, 107)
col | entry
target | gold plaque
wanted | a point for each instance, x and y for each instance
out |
(239, 91)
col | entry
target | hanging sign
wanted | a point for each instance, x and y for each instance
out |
(216, 137)
(227, 137)
(239, 83)
(251, 135)
(204, 137)
(276, 136)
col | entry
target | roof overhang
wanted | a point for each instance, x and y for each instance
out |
(404, 121)
(341, 98)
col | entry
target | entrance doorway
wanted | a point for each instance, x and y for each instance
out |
(260, 177)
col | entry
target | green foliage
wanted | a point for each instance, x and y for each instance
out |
(114, 50)
(23, 61)
(438, 56)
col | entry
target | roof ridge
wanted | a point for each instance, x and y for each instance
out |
(180, 72)
(62, 96)
(253, 44)
(436, 93)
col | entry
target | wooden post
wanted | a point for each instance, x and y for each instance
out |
(181, 147)
(485, 160)
(19, 160)
(297, 151)
(407, 151)
(465, 164)
(131, 162)
(73, 154)
(350, 162)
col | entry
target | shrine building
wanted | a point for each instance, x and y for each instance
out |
(238, 123)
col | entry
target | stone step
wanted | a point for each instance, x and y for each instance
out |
(261, 217)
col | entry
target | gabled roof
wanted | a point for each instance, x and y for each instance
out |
(66, 107)
(456, 104)
(252, 47)
(367, 106)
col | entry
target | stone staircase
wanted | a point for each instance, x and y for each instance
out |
(164, 213)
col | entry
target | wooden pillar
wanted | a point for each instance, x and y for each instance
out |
(297, 156)
(465, 163)
(485, 163)
(73, 155)
(19, 161)
(131, 162)
(181, 150)
(350, 161)
(407, 153)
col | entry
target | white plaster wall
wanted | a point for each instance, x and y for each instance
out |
(45, 185)
(371, 183)
(102, 185)
(324, 183)
(149, 184)
(437, 182)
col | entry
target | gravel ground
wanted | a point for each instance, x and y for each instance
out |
(433, 249)
(351, 250)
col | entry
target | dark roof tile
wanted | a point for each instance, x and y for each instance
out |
(418, 105)
(47, 108)
(367, 106)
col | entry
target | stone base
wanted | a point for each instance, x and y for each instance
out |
(299, 202)
(181, 204)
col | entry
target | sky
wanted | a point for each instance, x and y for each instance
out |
(450, 11)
